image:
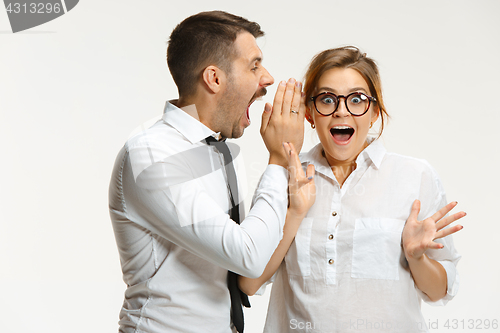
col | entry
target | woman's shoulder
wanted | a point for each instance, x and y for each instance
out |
(410, 163)
(397, 157)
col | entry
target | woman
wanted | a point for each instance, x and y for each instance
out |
(358, 262)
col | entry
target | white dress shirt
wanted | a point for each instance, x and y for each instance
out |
(345, 270)
(169, 207)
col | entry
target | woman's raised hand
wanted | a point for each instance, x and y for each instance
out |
(284, 120)
(301, 187)
(419, 236)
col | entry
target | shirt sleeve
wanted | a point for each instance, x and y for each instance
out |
(433, 198)
(261, 291)
(178, 196)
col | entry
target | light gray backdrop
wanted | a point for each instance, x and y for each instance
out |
(72, 90)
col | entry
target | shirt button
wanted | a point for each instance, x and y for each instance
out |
(334, 214)
(330, 261)
(330, 237)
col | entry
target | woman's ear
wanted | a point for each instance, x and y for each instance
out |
(308, 115)
(214, 78)
(375, 114)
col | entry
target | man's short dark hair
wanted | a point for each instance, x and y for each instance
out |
(202, 40)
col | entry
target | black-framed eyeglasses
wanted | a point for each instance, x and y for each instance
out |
(356, 103)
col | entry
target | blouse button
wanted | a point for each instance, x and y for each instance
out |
(334, 214)
(330, 237)
(330, 261)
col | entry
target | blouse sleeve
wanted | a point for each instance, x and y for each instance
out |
(433, 198)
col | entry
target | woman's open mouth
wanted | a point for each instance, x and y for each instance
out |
(342, 134)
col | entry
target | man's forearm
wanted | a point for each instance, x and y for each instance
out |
(250, 286)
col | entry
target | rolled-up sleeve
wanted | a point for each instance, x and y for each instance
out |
(448, 256)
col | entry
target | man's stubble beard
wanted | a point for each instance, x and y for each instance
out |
(225, 114)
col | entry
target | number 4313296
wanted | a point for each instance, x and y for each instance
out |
(472, 324)
(33, 8)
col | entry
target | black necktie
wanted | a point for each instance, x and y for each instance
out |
(237, 296)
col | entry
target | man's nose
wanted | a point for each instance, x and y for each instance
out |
(266, 79)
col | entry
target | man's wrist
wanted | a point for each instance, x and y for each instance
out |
(278, 160)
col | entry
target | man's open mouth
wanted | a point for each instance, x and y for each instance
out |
(342, 133)
(260, 93)
(254, 98)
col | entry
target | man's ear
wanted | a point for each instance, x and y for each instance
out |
(214, 78)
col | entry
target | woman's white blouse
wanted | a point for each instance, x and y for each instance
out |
(345, 270)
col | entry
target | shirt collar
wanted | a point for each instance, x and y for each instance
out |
(375, 153)
(191, 128)
(316, 158)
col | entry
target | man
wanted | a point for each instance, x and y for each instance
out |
(171, 188)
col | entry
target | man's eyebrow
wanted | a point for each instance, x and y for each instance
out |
(256, 59)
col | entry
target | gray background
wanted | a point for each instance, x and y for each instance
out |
(72, 91)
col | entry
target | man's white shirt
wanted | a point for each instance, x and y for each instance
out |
(169, 207)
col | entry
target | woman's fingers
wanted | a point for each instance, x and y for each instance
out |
(443, 211)
(266, 116)
(435, 246)
(449, 219)
(427, 231)
(302, 105)
(278, 99)
(296, 100)
(294, 166)
(442, 223)
(288, 98)
(310, 172)
(415, 209)
(448, 231)
(309, 176)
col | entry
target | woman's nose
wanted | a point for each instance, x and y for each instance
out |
(342, 109)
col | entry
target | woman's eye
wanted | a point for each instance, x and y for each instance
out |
(356, 99)
(328, 100)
